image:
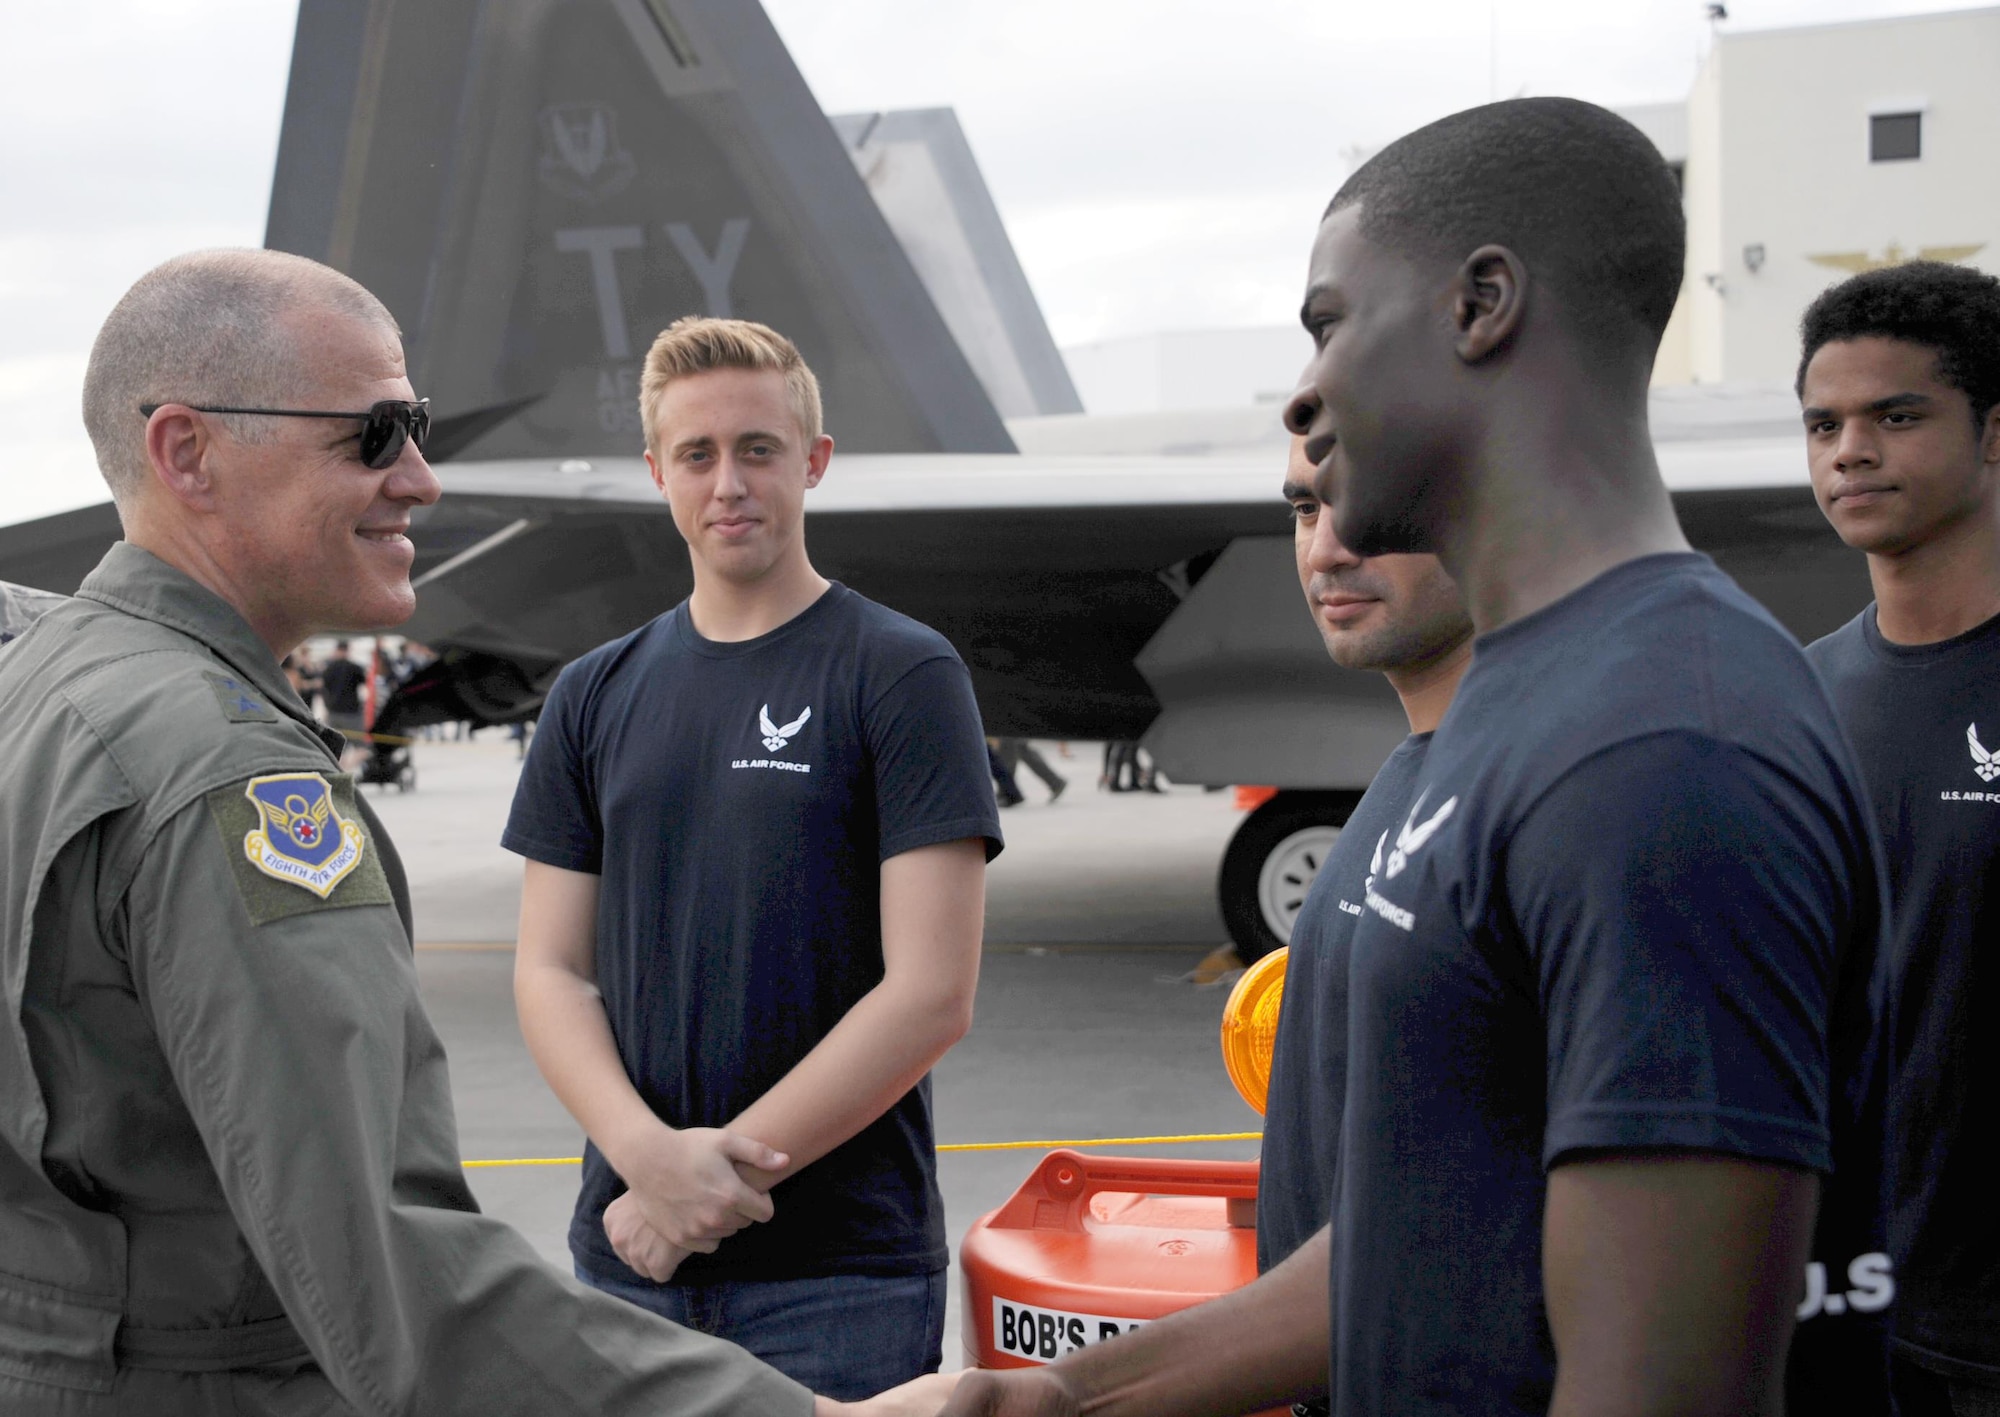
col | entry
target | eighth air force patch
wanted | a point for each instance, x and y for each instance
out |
(300, 838)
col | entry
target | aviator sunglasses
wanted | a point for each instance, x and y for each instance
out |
(385, 426)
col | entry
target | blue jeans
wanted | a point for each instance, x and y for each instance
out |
(845, 1336)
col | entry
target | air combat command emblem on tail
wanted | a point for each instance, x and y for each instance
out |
(300, 838)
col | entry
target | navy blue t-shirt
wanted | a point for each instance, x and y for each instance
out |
(738, 800)
(1634, 904)
(1307, 1095)
(1925, 723)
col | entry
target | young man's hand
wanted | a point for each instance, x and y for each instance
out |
(1017, 1392)
(645, 1250)
(922, 1397)
(685, 1185)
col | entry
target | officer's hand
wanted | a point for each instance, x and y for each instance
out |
(1017, 1392)
(687, 1187)
(921, 1398)
(643, 1248)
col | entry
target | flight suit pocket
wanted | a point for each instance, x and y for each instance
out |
(62, 1339)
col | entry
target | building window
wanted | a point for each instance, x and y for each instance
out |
(1895, 137)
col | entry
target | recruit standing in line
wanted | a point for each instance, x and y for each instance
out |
(229, 1172)
(1613, 1075)
(757, 832)
(1399, 616)
(1900, 382)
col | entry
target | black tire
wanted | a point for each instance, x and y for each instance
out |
(1265, 832)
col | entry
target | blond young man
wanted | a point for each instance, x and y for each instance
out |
(757, 831)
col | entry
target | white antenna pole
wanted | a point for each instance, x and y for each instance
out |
(1492, 50)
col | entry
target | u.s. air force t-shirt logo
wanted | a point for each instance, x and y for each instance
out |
(300, 839)
(1985, 766)
(1411, 838)
(776, 737)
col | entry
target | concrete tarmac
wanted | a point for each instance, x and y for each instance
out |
(1099, 907)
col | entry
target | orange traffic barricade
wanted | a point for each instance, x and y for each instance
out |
(1092, 1246)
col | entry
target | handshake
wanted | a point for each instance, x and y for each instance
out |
(1028, 1392)
(689, 1190)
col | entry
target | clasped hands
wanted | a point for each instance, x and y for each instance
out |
(687, 1192)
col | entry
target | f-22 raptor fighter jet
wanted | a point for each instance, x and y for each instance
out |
(536, 187)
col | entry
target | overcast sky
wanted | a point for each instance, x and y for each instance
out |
(1159, 163)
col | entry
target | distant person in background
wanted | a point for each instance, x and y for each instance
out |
(1900, 387)
(340, 685)
(1016, 753)
(1127, 768)
(308, 681)
(1004, 783)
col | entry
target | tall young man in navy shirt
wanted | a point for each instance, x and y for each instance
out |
(1612, 1080)
(757, 831)
(1399, 616)
(1900, 383)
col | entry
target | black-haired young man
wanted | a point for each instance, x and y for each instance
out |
(1401, 617)
(1610, 1001)
(1900, 384)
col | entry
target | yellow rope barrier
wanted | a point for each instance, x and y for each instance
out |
(1097, 1141)
(952, 1146)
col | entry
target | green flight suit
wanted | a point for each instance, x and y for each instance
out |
(229, 1172)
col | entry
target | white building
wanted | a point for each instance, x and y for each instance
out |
(1810, 154)
(1181, 369)
(1805, 155)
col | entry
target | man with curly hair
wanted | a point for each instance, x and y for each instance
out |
(1900, 386)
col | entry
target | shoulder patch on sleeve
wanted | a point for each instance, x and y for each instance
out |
(296, 843)
(240, 703)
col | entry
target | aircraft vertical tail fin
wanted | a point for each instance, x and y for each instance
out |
(921, 172)
(537, 187)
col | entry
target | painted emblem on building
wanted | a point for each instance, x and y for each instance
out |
(581, 155)
(301, 839)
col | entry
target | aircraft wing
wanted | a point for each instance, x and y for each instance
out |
(1091, 597)
(1049, 575)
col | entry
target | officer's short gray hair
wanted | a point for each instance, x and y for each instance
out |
(206, 328)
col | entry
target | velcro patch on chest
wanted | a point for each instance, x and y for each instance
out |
(296, 843)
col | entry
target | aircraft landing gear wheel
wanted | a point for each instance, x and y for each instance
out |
(1270, 864)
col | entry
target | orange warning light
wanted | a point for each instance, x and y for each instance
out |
(1250, 1027)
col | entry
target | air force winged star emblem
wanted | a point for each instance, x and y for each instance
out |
(301, 839)
(581, 155)
(776, 737)
(1982, 761)
(1412, 835)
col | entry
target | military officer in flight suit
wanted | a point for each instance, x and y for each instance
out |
(229, 1173)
